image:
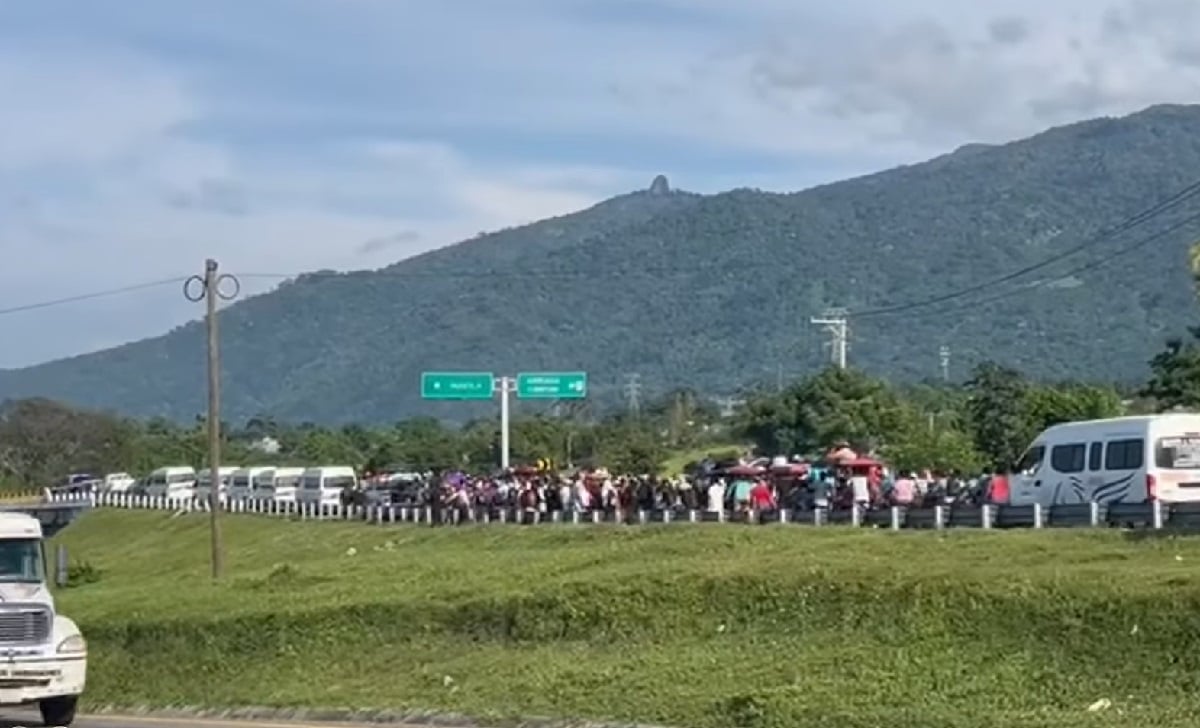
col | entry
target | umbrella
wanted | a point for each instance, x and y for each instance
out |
(841, 455)
(744, 470)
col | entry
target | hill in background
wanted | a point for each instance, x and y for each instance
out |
(715, 292)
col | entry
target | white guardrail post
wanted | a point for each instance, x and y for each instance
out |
(379, 514)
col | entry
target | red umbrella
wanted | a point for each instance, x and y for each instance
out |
(861, 462)
(790, 469)
(744, 470)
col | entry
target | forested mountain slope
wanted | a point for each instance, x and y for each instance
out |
(715, 292)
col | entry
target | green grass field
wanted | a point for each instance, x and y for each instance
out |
(729, 626)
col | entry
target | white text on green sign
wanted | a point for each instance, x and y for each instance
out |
(457, 385)
(552, 385)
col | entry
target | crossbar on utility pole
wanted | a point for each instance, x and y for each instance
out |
(210, 292)
(835, 322)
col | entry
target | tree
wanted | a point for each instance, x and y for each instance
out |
(999, 414)
(763, 421)
(1052, 405)
(832, 406)
(1175, 374)
(327, 448)
(631, 448)
(423, 443)
(843, 405)
(42, 441)
(929, 442)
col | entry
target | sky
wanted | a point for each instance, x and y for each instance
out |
(139, 137)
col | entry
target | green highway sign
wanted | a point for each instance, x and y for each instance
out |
(457, 385)
(552, 385)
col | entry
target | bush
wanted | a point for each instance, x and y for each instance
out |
(80, 573)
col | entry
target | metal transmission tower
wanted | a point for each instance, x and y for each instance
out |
(944, 362)
(208, 288)
(728, 405)
(633, 393)
(836, 323)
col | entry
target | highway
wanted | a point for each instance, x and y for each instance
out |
(30, 719)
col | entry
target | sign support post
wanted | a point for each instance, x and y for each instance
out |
(461, 386)
(503, 383)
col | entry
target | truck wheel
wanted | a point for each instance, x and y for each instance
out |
(58, 711)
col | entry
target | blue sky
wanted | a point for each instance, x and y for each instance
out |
(141, 136)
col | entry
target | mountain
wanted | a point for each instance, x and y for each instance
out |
(716, 292)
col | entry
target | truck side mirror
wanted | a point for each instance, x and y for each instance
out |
(61, 566)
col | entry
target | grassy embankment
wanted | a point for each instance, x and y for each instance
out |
(689, 626)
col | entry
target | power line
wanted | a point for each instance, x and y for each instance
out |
(1166, 205)
(91, 296)
(1076, 271)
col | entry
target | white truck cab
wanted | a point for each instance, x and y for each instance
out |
(1118, 460)
(43, 656)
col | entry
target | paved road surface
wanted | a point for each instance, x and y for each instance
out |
(31, 719)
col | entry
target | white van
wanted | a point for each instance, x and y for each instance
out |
(118, 482)
(1119, 460)
(278, 484)
(241, 482)
(204, 482)
(176, 482)
(325, 484)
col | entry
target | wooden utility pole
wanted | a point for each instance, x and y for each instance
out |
(211, 293)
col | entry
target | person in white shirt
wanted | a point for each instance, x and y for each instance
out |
(583, 496)
(862, 490)
(608, 495)
(716, 496)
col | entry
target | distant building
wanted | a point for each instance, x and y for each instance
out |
(268, 445)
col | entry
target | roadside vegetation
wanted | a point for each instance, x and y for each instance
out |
(722, 626)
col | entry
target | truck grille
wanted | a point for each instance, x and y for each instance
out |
(24, 624)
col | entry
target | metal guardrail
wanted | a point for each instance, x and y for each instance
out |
(1156, 515)
(24, 495)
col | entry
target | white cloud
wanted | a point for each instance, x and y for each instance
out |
(61, 108)
(132, 146)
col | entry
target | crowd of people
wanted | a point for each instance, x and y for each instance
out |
(840, 480)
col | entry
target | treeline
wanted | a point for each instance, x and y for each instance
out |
(41, 441)
(980, 425)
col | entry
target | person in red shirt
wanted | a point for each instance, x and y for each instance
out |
(761, 497)
(998, 489)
